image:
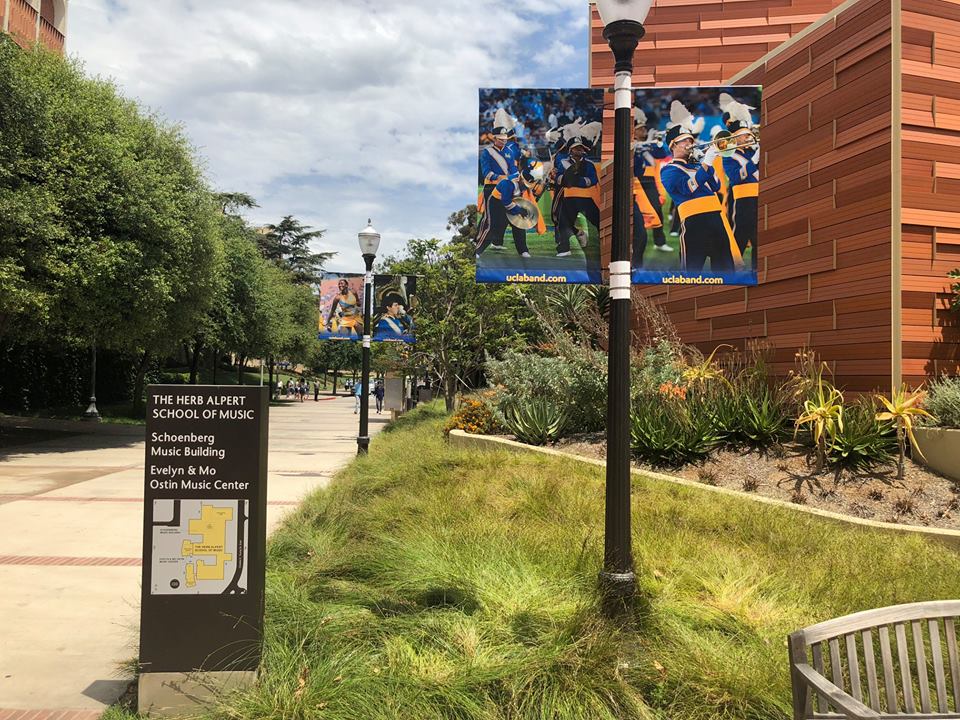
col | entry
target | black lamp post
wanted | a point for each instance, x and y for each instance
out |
(91, 413)
(369, 242)
(623, 28)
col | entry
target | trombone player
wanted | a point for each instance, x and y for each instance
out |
(648, 191)
(741, 166)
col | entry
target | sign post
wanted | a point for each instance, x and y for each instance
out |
(204, 535)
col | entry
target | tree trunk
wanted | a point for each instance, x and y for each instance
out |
(216, 357)
(241, 365)
(336, 373)
(138, 384)
(195, 361)
(324, 379)
(270, 367)
(450, 390)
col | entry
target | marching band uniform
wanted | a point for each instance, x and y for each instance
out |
(705, 232)
(744, 178)
(647, 208)
(498, 166)
(576, 192)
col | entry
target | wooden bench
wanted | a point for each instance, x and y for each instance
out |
(894, 662)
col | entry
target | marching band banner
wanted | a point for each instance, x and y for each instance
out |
(538, 195)
(696, 179)
(394, 298)
(696, 173)
(341, 307)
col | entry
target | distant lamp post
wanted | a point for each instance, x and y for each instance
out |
(369, 243)
(91, 413)
(623, 28)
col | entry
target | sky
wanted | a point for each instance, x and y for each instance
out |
(333, 111)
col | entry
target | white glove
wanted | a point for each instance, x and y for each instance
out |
(709, 156)
(756, 156)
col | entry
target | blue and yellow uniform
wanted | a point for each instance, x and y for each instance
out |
(647, 191)
(705, 232)
(499, 169)
(576, 192)
(743, 176)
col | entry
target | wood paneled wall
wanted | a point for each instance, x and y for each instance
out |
(930, 147)
(825, 194)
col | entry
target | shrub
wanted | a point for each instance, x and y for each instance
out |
(943, 401)
(576, 385)
(668, 431)
(536, 422)
(860, 441)
(656, 365)
(475, 416)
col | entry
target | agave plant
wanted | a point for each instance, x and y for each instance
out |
(902, 407)
(535, 422)
(823, 414)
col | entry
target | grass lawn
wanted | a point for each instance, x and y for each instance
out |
(431, 583)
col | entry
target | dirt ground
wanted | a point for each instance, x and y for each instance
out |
(923, 497)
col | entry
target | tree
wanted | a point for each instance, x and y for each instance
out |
(288, 245)
(458, 321)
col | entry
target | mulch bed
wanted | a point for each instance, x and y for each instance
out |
(923, 497)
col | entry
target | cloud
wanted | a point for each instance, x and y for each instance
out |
(333, 111)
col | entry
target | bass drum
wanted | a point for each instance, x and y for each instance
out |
(528, 216)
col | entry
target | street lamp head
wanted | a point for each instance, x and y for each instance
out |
(612, 11)
(369, 240)
(623, 28)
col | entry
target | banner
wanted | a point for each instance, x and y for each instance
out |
(341, 307)
(538, 186)
(395, 302)
(696, 169)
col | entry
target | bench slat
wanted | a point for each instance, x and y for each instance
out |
(817, 651)
(870, 664)
(836, 670)
(853, 665)
(889, 683)
(939, 678)
(903, 657)
(920, 654)
(950, 630)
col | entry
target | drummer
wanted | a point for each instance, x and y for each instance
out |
(500, 171)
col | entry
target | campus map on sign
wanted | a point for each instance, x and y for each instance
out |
(199, 547)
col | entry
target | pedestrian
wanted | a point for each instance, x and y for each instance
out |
(357, 394)
(316, 391)
(378, 394)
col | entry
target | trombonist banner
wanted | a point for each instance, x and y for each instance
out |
(341, 307)
(696, 167)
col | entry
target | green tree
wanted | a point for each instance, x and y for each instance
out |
(458, 321)
(288, 245)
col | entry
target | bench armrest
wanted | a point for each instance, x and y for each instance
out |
(852, 708)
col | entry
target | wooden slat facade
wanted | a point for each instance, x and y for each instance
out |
(830, 274)
(930, 219)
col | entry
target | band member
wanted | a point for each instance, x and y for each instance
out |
(576, 192)
(743, 175)
(498, 166)
(648, 191)
(394, 323)
(346, 308)
(519, 158)
(704, 230)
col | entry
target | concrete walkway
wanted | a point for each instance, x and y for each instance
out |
(71, 515)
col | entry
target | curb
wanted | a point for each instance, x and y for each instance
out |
(459, 438)
(77, 426)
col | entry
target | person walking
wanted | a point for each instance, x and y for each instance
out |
(316, 391)
(357, 394)
(378, 394)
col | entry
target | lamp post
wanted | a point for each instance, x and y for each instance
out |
(369, 242)
(91, 413)
(623, 28)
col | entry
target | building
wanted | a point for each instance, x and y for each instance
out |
(31, 21)
(860, 192)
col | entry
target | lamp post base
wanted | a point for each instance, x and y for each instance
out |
(91, 413)
(363, 444)
(618, 592)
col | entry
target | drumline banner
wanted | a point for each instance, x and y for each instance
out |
(696, 172)
(538, 195)
(341, 307)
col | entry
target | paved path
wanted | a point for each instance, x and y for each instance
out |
(71, 517)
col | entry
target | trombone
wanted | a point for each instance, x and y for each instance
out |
(727, 143)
